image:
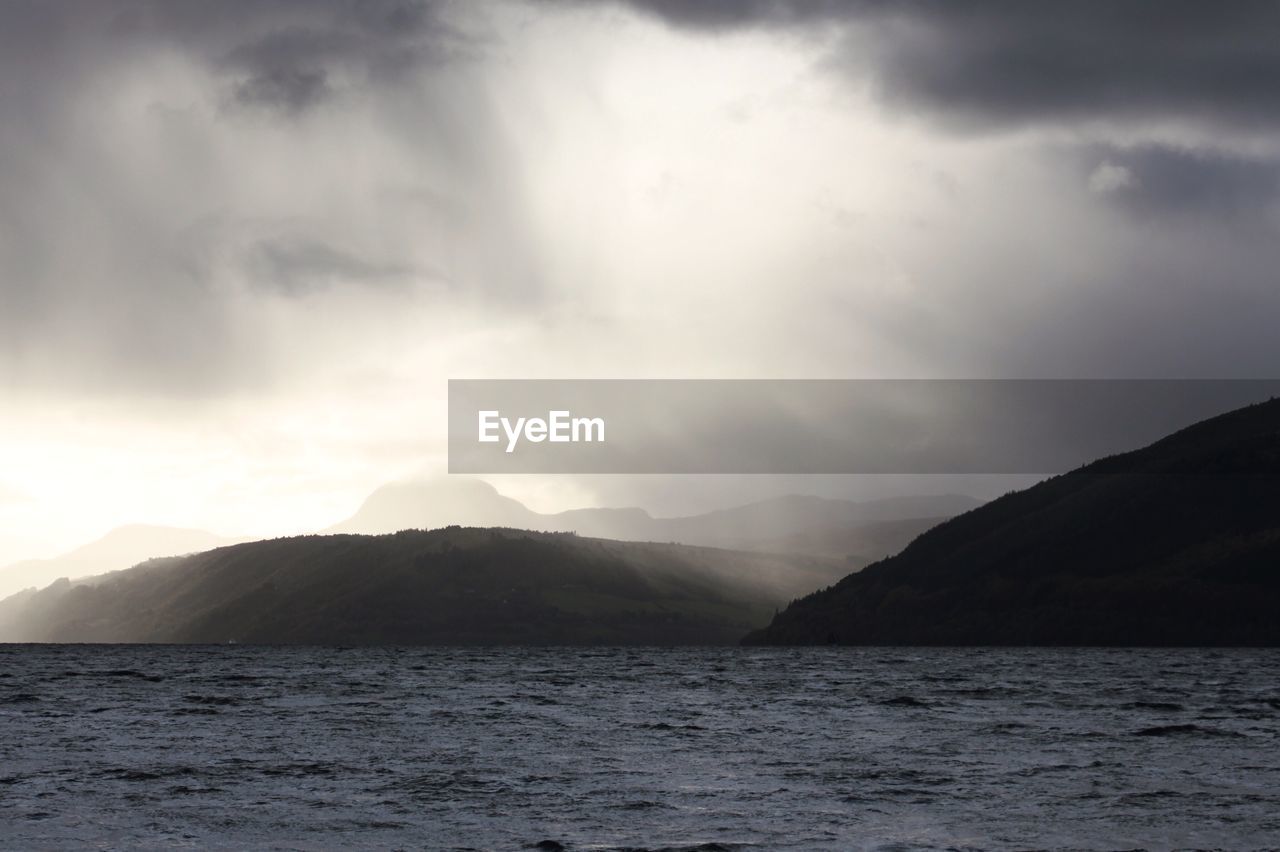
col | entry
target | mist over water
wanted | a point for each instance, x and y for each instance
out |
(313, 748)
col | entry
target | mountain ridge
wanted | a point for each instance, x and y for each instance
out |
(428, 504)
(1174, 543)
(456, 585)
(856, 532)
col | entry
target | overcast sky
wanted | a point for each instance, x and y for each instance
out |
(243, 245)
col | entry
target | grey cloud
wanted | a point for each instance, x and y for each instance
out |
(292, 67)
(1004, 62)
(296, 268)
(286, 69)
(279, 54)
(287, 90)
(1163, 181)
(154, 152)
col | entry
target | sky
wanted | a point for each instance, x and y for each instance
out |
(244, 245)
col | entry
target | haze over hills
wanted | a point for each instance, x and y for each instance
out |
(121, 548)
(794, 523)
(859, 545)
(849, 533)
(1174, 544)
(690, 587)
(446, 586)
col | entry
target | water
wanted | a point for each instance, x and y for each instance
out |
(314, 748)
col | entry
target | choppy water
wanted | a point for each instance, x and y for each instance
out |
(314, 748)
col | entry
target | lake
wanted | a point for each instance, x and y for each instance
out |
(227, 747)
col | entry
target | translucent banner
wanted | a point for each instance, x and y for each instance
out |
(821, 426)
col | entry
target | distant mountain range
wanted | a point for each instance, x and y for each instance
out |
(1174, 544)
(120, 548)
(856, 533)
(448, 586)
(790, 524)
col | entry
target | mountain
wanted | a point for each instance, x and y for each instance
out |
(800, 524)
(827, 537)
(435, 503)
(1174, 544)
(447, 586)
(120, 548)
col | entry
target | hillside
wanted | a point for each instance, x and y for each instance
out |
(1174, 544)
(448, 586)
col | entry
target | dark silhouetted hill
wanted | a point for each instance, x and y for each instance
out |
(447, 586)
(1174, 544)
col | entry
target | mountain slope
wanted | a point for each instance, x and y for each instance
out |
(1174, 544)
(120, 548)
(448, 586)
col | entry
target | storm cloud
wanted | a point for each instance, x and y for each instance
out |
(1006, 63)
(243, 245)
(1157, 181)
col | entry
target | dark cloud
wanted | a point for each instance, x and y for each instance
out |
(1005, 62)
(283, 54)
(1163, 181)
(291, 67)
(289, 90)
